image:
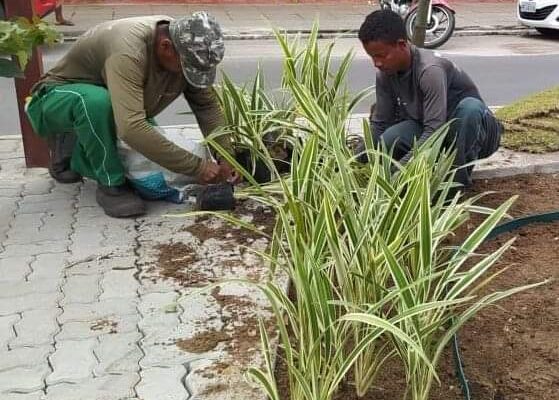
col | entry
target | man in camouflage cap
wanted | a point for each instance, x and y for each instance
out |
(199, 42)
(112, 82)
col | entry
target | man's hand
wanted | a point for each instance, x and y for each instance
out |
(228, 173)
(210, 172)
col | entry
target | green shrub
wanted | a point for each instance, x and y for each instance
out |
(18, 38)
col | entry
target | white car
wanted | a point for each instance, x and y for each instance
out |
(540, 14)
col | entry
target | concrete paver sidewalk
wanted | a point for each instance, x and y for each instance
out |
(86, 311)
(241, 21)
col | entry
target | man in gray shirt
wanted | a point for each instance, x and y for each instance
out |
(418, 91)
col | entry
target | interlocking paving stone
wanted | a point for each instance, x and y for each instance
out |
(23, 379)
(38, 187)
(121, 234)
(103, 263)
(106, 387)
(11, 289)
(81, 289)
(165, 354)
(23, 396)
(34, 301)
(39, 227)
(72, 361)
(7, 332)
(25, 357)
(86, 241)
(208, 382)
(41, 198)
(48, 266)
(8, 206)
(14, 269)
(10, 193)
(154, 303)
(48, 206)
(118, 353)
(100, 310)
(76, 330)
(162, 383)
(25, 223)
(119, 283)
(32, 249)
(36, 327)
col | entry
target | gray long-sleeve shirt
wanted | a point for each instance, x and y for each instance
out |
(427, 93)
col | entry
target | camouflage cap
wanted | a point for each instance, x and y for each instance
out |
(199, 42)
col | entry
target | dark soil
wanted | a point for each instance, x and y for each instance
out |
(182, 263)
(511, 351)
(262, 219)
(239, 336)
(537, 193)
(203, 342)
(189, 266)
(177, 261)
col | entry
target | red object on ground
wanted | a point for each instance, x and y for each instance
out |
(43, 7)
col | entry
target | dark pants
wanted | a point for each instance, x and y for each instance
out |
(475, 133)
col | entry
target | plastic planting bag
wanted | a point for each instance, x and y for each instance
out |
(152, 181)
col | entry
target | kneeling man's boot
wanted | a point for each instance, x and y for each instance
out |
(60, 151)
(119, 201)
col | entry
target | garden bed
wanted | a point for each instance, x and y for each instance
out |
(510, 351)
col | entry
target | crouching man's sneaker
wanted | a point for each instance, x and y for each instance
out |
(60, 150)
(119, 201)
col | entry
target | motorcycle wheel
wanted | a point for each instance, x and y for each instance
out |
(439, 29)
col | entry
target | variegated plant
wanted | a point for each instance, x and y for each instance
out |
(365, 245)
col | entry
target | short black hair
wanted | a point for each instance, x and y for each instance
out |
(383, 26)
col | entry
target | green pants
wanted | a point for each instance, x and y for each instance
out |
(86, 111)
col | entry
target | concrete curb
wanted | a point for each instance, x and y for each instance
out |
(503, 163)
(266, 34)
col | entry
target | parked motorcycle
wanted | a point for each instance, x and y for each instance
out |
(440, 19)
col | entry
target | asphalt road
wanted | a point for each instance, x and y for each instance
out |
(505, 68)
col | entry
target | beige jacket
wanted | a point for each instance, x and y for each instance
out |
(120, 56)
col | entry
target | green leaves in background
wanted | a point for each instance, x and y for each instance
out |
(18, 38)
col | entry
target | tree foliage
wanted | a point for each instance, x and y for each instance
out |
(18, 38)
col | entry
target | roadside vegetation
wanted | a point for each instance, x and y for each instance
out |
(532, 123)
(368, 248)
(18, 38)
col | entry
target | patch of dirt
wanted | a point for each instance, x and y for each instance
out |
(182, 262)
(514, 348)
(214, 389)
(510, 351)
(241, 322)
(177, 261)
(104, 324)
(215, 369)
(262, 218)
(239, 336)
(202, 342)
(536, 192)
